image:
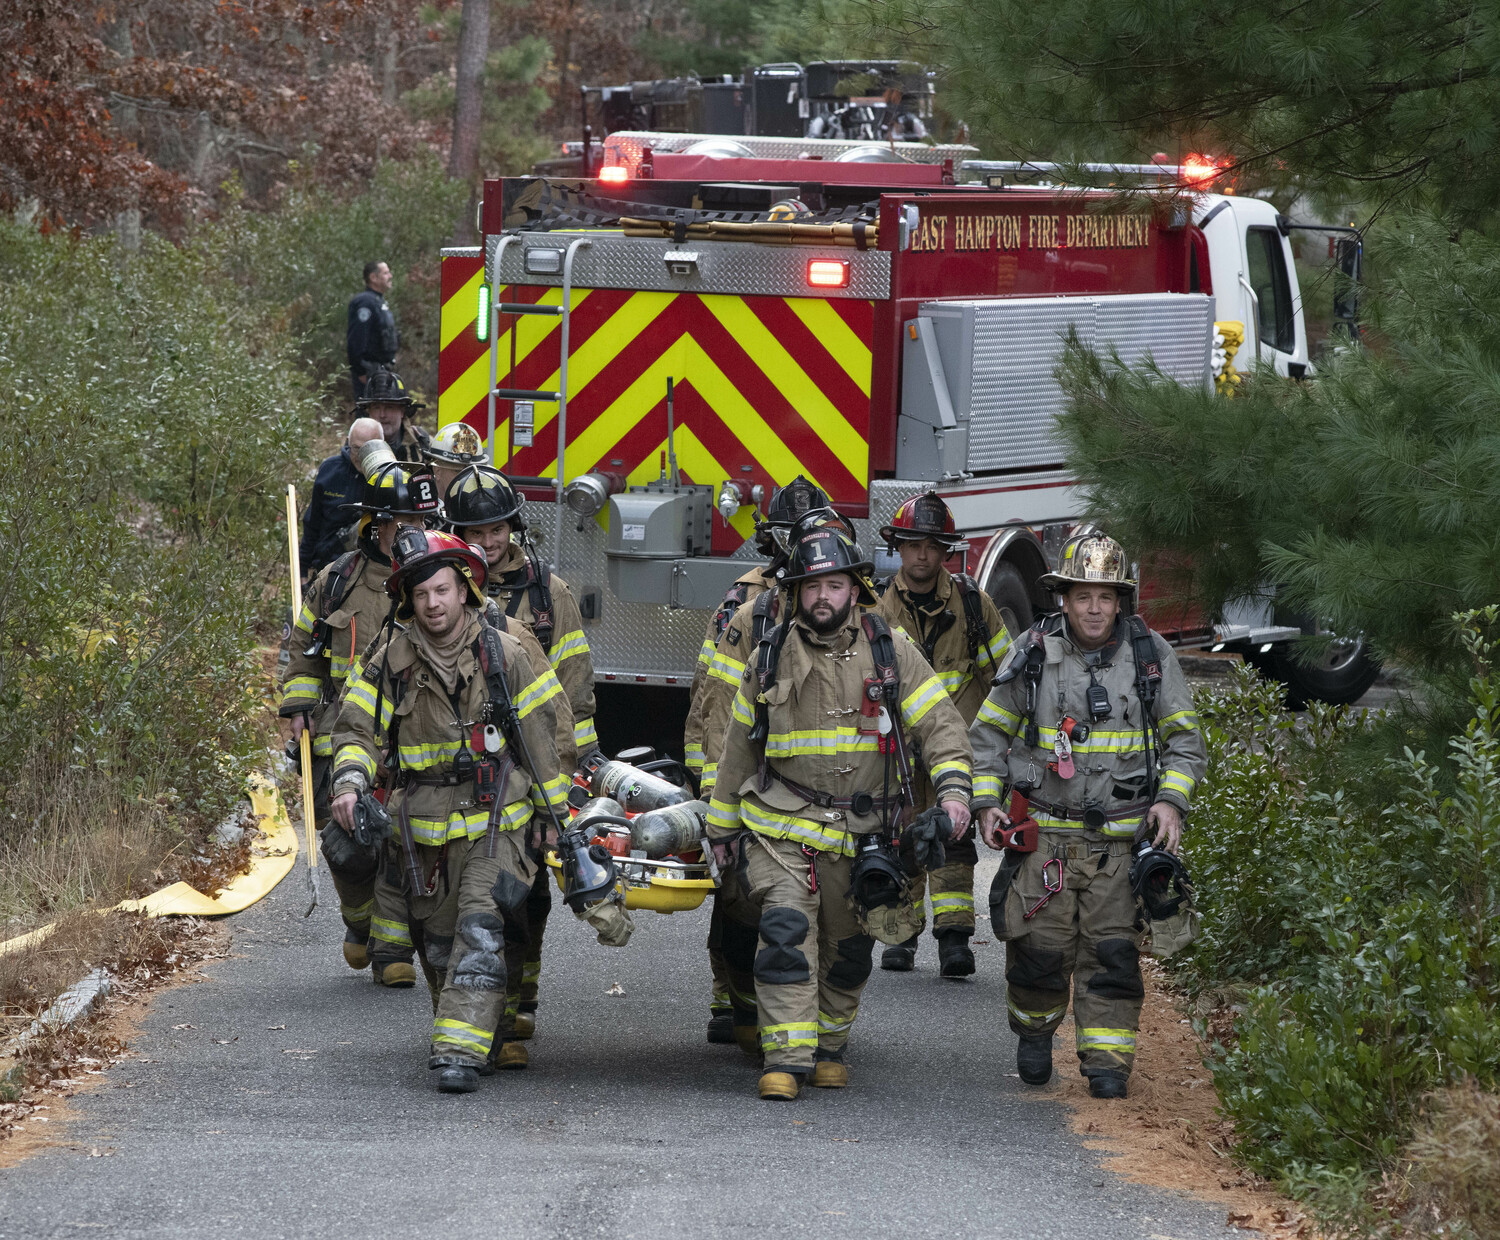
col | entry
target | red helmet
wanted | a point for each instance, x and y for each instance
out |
(417, 553)
(923, 516)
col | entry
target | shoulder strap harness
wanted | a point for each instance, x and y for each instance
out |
(734, 599)
(538, 588)
(977, 630)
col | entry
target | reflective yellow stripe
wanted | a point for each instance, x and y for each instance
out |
(1178, 782)
(1181, 721)
(958, 766)
(427, 755)
(999, 717)
(706, 652)
(470, 1037)
(575, 643)
(822, 741)
(723, 815)
(742, 710)
(1125, 827)
(952, 902)
(727, 668)
(1122, 1040)
(584, 736)
(322, 745)
(556, 791)
(825, 837)
(831, 1024)
(999, 647)
(360, 692)
(987, 786)
(915, 705)
(354, 755)
(543, 689)
(953, 682)
(397, 932)
(792, 1034)
(301, 689)
(694, 758)
(306, 619)
(434, 832)
(1034, 1020)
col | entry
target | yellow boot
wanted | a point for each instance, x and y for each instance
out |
(778, 1086)
(512, 1056)
(356, 950)
(398, 975)
(829, 1074)
(525, 1025)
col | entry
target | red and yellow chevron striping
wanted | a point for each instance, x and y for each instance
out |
(764, 387)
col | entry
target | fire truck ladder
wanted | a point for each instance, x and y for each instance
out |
(559, 397)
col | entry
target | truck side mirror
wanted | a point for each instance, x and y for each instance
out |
(1348, 253)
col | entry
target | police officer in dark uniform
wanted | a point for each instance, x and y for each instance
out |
(327, 528)
(373, 338)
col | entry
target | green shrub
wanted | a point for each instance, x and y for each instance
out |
(1355, 915)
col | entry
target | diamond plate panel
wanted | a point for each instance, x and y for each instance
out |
(741, 268)
(791, 148)
(1000, 357)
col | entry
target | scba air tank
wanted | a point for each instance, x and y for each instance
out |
(669, 831)
(598, 807)
(637, 790)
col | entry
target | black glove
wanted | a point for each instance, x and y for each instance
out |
(927, 834)
(372, 824)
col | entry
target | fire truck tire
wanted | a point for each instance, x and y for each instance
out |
(1341, 677)
(1008, 588)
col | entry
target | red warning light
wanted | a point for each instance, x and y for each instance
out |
(615, 174)
(1199, 171)
(828, 273)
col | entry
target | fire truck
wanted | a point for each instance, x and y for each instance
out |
(651, 350)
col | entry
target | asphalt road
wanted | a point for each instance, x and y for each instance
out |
(288, 1097)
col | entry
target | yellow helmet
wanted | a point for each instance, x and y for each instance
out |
(1090, 559)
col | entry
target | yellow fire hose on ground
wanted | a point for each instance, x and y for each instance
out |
(295, 563)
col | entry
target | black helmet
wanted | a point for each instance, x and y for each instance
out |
(822, 551)
(923, 516)
(786, 505)
(482, 495)
(1160, 881)
(395, 489)
(821, 519)
(384, 387)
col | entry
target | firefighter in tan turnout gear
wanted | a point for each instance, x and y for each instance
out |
(342, 611)
(455, 711)
(1092, 737)
(786, 505)
(483, 507)
(807, 780)
(958, 629)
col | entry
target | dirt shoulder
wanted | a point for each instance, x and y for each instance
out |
(1168, 1132)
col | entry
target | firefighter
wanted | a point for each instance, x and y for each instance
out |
(342, 611)
(372, 338)
(958, 629)
(454, 447)
(464, 795)
(732, 923)
(805, 781)
(386, 400)
(483, 507)
(338, 486)
(1092, 724)
(786, 505)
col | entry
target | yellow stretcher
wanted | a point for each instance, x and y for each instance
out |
(661, 886)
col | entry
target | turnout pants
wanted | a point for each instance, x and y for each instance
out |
(811, 960)
(1086, 932)
(538, 906)
(459, 933)
(733, 934)
(950, 887)
(351, 867)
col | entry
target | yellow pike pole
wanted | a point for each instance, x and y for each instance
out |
(307, 780)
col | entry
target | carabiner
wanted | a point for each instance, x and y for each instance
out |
(1049, 888)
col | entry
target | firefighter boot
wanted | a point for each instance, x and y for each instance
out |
(1034, 1059)
(901, 957)
(778, 1085)
(525, 1026)
(1107, 1084)
(721, 1027)
(512, 1056)
(456, 1078)
(356, 949)
(395, 974)
(829, 1071)
(955, 956)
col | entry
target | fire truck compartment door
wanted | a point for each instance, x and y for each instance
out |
(1000, 356)
(931, 443)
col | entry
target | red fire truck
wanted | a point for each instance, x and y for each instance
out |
(652, 350)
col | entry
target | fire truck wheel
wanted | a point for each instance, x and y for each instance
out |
(1340, 676)
(1008, 588)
